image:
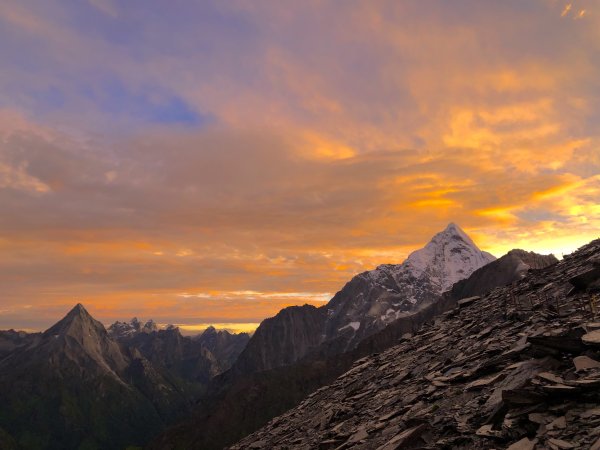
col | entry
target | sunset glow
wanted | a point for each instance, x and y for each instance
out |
(268, 151)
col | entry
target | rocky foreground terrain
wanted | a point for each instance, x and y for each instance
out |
(518, 368)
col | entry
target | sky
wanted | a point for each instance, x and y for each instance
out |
(212, 162)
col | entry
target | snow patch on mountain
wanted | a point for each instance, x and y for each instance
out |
(378, 297)
(354, 325)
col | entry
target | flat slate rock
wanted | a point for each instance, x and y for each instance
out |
(467, 301)
(585, 362)
(592, 338)
(523, 444)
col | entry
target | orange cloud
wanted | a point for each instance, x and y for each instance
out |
(333, 142)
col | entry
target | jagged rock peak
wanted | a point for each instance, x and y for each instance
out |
(78, 311)
(120, 330)
(76, 321)
(149, 326)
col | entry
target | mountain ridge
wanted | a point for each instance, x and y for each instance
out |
(366, 304)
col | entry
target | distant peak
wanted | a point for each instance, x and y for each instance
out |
(77, 316)
(78, 309)
(454, 229)
(452, 226)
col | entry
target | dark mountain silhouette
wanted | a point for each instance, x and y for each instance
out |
(288, 357)
(225, 346)
(179, 355)
(75, 387)
(11, 339)
(510, 268)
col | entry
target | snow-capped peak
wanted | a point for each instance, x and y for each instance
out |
(449, 257)
(378, 297)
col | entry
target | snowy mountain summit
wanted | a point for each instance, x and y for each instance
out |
(373, 299)
(449, 257)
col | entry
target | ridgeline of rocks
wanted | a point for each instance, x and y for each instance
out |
(518, 368)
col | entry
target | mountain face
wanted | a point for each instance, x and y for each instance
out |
(510, 268)
(75, 387)
(366, 304)
(491, 373)
(179, 355)
(225, 346)
(195, 359)
(79, 336)
(373, 299)
(238, 405)
(283, 339)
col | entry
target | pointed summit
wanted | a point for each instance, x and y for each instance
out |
(209, 330)
(378, 297)
(453, 227)
(78, 312)
(78, 309)
(78, 324)
(450, 256)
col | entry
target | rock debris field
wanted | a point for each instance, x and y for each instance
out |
(518, 368)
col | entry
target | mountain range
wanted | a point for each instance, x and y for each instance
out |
(288, 357)
(76, 386)
(80, 385)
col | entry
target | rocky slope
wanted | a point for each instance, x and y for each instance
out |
(505, 270)
(283, 339)
(517, 368)
(239, 405)
(365, 305)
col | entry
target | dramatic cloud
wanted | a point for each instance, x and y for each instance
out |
(214, 162)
